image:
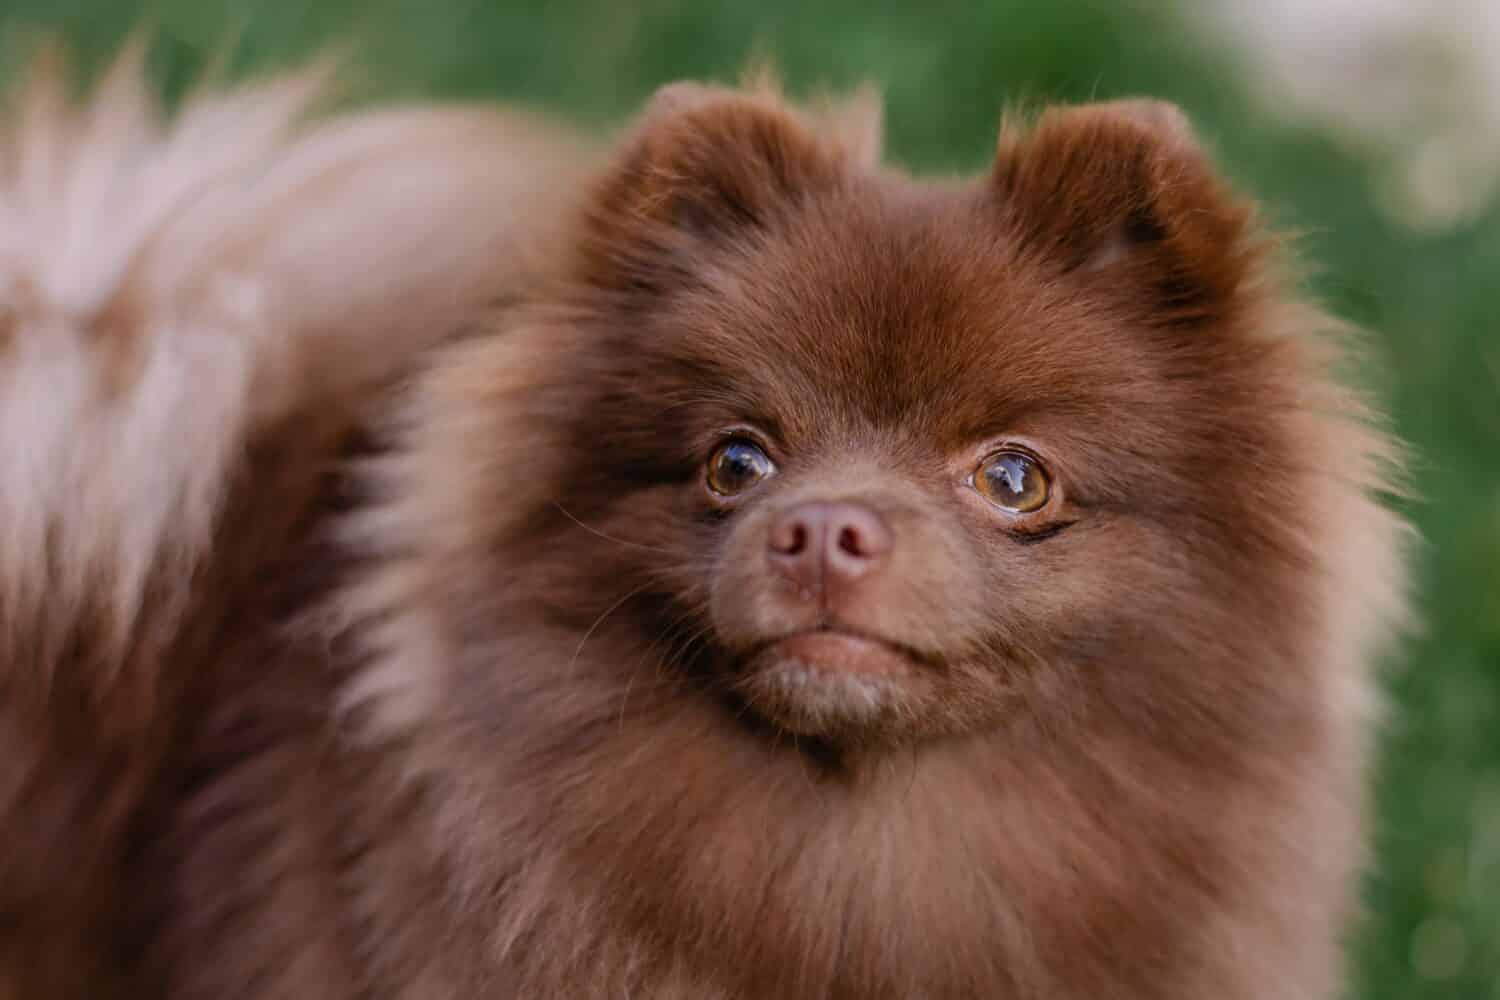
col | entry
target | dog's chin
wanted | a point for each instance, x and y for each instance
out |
(832, 685)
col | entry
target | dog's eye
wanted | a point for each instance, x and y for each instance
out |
(1013, 481)
(736, 466)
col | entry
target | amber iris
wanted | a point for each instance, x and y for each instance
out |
(1013, 481)
(737, 465)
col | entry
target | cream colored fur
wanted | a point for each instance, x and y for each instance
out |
(168, 285)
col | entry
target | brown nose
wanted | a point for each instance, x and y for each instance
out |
(824, 547)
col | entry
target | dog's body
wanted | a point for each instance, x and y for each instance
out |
(372, 627)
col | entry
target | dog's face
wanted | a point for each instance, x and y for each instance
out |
(882, 462)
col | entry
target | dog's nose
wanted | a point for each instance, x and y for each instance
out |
(823, 547)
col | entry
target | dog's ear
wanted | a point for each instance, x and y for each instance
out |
(1123, 189)
(705, 167)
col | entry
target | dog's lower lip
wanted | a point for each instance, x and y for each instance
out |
(842, 651)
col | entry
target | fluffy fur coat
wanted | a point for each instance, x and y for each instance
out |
(375, 620)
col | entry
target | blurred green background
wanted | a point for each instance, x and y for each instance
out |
(1429, 297)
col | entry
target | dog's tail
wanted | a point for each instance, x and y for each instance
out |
(175, 291)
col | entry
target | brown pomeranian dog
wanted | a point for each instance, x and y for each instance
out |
(440, 562)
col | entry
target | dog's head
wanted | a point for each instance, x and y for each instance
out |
(880, 460)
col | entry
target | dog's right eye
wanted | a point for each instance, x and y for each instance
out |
(738, 465)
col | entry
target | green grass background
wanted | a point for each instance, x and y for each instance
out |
(947, 68)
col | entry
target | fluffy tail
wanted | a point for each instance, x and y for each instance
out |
(175, 293)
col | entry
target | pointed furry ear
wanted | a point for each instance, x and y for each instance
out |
(704, 166)
(1123, 189)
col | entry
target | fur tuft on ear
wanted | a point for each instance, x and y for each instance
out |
(1124, 190)
(709, 165)
(856, 121)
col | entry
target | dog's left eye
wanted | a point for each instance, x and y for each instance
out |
(1013, 481)
(736, 466)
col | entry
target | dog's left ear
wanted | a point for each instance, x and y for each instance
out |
(1123, 190)
(708, 167)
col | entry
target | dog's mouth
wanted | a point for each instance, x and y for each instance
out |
(839, 650)
(830, 679)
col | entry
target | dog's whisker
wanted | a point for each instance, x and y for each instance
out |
(607, 537)
(599, 621)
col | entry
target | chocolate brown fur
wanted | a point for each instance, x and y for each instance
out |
(510, 711)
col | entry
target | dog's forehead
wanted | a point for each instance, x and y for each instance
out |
(912, 309)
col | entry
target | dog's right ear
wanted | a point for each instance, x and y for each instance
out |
(704, 168)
